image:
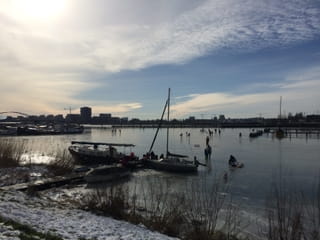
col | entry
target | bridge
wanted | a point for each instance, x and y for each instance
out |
(19, 113)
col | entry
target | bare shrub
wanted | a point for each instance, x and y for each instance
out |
(285, 214)
(112, 201)
(205, 202)
(10, 153)
(191, 214)
(165, 209)
(233, 223)
(312, 230)
(62, 164)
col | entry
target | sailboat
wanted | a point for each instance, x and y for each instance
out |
(171, 162)
(279, 132)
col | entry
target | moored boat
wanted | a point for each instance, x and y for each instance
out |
(131, 161)
(171, 162)
(49, 129)
(256, 134)
(8, 131)
(279, 133)
(89, 153)
(106, 174)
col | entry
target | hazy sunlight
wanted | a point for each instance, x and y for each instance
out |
(40, 9)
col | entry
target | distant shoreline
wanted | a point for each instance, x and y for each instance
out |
(221, 125)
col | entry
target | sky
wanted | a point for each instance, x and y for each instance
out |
(231, 57)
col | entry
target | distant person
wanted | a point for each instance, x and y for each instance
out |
(210, 132)
(225, 177)
(209, 149)
(232, 161)
(207, 152)
(195, 161)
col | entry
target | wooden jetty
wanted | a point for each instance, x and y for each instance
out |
(299, 131)
(47, 183)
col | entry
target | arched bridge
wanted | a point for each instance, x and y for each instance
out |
(20, 113)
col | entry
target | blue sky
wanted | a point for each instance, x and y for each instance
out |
(219, 57)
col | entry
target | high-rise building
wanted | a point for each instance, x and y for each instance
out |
(85, 113)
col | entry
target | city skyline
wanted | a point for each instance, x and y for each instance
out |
(230, 57)
(85, 115)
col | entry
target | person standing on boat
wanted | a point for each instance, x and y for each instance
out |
(153, 156)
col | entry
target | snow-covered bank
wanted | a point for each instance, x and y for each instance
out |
(70, 223)
(8, 232)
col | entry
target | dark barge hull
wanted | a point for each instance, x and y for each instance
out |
(170, 167)
(88, 159)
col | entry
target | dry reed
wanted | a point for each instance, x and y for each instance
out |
(10, 153)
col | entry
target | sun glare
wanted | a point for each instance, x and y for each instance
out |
(40, 9)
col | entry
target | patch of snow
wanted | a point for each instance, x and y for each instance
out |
(69, 223)
(35, 158)
(11, 176)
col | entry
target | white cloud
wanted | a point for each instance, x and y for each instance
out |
(237, 25)
(43, 64)
(300, 92)
(117, 109)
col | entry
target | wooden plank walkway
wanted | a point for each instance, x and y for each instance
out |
(44, 184)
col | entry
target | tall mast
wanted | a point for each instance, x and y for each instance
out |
(168, 122)
(160, 123)
(280, 106)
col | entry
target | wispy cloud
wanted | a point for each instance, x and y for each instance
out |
(214, 25)
(117, 109)
(297, 92)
